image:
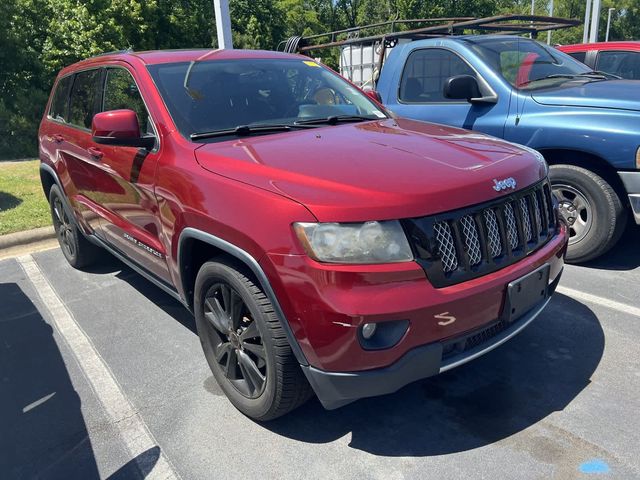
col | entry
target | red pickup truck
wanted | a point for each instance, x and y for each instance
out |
(322, 245)
(617, 58)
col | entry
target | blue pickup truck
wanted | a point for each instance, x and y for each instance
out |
(586, 124)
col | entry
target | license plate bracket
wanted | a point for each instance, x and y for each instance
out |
(526, 292)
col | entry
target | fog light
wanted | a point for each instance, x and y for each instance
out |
(381, 335)
(368, 330)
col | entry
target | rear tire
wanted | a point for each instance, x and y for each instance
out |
(78, 251)
(592, 209)
(245, 345)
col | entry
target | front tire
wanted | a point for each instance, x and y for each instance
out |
(591, 208)
(78, 251)
(245, 345)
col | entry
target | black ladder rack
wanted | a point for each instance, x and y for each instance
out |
(503, 24)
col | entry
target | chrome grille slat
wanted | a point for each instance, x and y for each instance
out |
(446, 246)
(493, 233)
(537, 212)
(512, 228)
(526, 219)
(471, 240)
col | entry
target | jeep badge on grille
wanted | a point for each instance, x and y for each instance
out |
(504, 184)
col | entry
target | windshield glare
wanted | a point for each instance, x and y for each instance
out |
(215, 95)
(527, 64)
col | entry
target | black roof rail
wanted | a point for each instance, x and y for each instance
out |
(387, 32)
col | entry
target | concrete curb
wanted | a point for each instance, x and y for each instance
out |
(26, 237)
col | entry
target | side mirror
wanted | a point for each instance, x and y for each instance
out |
(119, 128)
(373, 95)
(462, 87)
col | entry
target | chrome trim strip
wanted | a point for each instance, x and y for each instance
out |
(634, 200)
(255, 267)
(131, 264)
(499, 340)
(631, 181)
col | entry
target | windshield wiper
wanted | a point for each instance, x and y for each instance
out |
(333, 119)
(591, 75)
(607, 75)
(245, 130)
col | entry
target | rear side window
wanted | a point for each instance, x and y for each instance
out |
(60, 104)
(82, 106)
(121, 92)
(623, 64)
(425, 73)
(580, 56)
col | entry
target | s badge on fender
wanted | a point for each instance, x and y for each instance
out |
(445, 319)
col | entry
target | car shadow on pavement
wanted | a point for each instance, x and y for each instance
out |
(42, 429)
(508, 390)
(625, 255)
(160, 298)
(43, 433)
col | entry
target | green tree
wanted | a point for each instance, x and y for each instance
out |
(256, 24)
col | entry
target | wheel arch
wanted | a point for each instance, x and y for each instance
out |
(195, 247)
(589, 161)
(48, 178)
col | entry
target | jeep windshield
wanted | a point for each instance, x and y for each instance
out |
(530, 65)
(217, 99)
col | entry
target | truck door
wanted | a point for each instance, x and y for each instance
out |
(419, 94)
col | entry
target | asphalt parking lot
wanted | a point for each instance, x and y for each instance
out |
(102, 375)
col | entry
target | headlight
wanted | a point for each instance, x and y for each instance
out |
(368, 242)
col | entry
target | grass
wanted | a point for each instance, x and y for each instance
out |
(22, 202)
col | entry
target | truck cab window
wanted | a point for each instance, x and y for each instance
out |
(426, 72)
(623, 64)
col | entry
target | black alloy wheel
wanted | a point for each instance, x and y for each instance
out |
(78, 251)
(64, 228)
(244, 343)
(238, 349)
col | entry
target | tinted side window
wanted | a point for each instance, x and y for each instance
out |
(83, 98)
(121, 92)
(580, 56)
(60, 103)
(624, 64)
(425, 73)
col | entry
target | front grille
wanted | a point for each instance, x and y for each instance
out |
(456, 246)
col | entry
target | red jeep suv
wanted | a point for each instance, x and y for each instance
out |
(322, 244)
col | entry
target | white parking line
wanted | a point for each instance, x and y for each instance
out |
(605, 302)
(37, 403)
(134, 433)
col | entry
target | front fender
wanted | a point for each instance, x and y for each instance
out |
(609, 134)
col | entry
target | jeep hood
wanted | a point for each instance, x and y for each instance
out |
(617, 94)
(374, 170)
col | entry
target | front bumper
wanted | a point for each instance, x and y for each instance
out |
(336, 389)
(631, 182)
(326, 305)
